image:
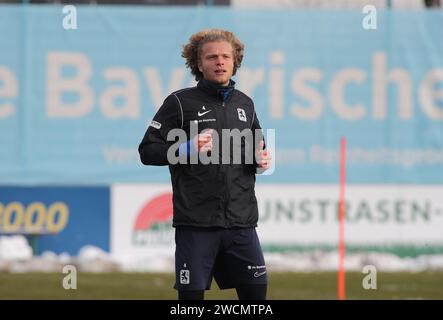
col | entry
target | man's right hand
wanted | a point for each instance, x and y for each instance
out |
(203, 141)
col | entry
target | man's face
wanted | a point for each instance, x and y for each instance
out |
(217, 62)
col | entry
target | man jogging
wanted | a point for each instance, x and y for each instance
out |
(215, 208)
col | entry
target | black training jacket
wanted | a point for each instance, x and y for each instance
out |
(206, 195)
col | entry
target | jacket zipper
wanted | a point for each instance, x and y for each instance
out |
(227, 175)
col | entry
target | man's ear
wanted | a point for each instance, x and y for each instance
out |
(200, 67)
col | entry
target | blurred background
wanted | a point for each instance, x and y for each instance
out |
(80, 83)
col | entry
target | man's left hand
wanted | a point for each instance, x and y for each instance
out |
(263, 157)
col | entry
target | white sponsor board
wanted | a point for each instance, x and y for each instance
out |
(375, 214)
(290, 215)
(141, 222)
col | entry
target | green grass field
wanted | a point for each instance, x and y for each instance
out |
(286, 286)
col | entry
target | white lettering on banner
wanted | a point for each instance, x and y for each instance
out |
(299, 87)
(302, 85)
(130, 92)
(336, 92)
(324, 155)
(249, 79)
(313, 210)
(428, 96)
(57, 85)
(406, 158)
(276, 84)
(339, 83)
(8, 90)
(380, 84)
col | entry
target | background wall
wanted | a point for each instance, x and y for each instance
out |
(74, 104)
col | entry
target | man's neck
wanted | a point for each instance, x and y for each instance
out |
(230, 83)
(223, 91)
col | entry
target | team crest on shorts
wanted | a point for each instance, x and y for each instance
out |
(184, 276)
(241, 114)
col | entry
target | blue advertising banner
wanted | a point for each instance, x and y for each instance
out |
(60, 219)
(74, 104)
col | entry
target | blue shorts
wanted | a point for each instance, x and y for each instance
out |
(232, 256)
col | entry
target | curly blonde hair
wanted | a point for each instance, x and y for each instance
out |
(192, 50)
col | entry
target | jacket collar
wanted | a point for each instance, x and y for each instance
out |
(217, 90)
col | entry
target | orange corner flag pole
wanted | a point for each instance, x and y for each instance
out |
(341, 239)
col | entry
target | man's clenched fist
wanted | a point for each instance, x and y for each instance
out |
(203, 141)
(263, 157)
